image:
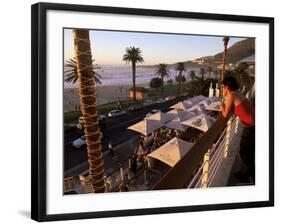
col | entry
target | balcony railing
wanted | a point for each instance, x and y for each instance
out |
(219, 160)
(209, 162)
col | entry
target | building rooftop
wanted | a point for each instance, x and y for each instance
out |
(249, 59)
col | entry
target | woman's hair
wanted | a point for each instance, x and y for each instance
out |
(231, 83)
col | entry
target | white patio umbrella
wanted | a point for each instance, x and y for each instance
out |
(202, 122)
(215, 106)
(205, 103)
(183, 105)
(146, 126)
(162, 117)
(197, 109)
(196, 99)
(176, 125)
(172, 151)
(180, 114)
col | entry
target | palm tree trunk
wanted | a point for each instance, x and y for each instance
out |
(223, 63)
(162, 86)
(88, 108)
(225, 42)
(180, 78)
(202, 83)
(134, 80)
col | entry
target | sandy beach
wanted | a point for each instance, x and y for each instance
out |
(105, 94)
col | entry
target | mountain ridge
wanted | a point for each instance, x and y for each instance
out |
(235, 53)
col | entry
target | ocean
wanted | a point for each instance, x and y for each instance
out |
(122, 75)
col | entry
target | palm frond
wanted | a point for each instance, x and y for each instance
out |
(180, 67)
(133, 54)
(162, 71)
(71, 75)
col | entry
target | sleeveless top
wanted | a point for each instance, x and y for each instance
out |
(246, 112)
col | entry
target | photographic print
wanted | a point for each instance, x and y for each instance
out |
(136, 103)
(141, 111)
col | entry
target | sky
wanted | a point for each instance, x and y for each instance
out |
(108, 47)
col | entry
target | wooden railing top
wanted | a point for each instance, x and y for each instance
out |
(178, 176)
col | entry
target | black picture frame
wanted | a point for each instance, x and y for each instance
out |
(39, 122)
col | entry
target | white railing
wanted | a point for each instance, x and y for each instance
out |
(214, 157)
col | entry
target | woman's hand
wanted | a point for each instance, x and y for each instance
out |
(227, 108)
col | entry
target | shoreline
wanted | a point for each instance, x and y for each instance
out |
(110, 85)
(104, 94)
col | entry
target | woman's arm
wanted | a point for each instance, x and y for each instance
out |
(226, 108)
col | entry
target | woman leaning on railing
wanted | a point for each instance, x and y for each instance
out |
(236, 103)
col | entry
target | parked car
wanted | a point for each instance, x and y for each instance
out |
(136, 107)
(161, 100)
(116, 113)
(101, 117)
(170, 98)
(101, 121)
(80, 142)
(152, 112)
(149, 102)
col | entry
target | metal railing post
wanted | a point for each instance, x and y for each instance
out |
(236, 125)
(205, 172)
(227, 136)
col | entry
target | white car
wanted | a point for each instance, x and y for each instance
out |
(170, 98)
(116, 113)
(101, 118)
(161, 100)
(151, 113)
(79, 142)
(148, 102)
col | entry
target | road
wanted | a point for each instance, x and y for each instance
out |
(75, 160)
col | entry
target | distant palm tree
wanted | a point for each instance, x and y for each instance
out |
(241, 71)
(216, 73)
(192, 75)
(180, 67)
(199, 84)
(225, 42)
(162, 72)
(133, 55)
(209, 70)
(202, 73)
(242, 76)
(201, 81)
(71, 75)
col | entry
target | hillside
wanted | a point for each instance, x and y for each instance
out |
(235, 53)
(238, 51)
